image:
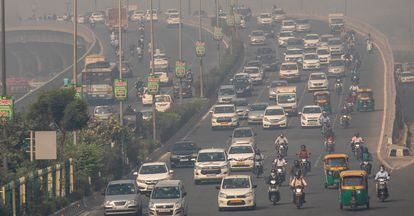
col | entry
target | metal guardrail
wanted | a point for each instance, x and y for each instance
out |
(94, 46)
(382, 44)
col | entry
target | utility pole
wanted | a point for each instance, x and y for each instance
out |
(180, 50)
(154, 111)
(75, 54)
(410, 26)
(3, 49)
(217, 25)
(189, 7)
(201, 57)
(120, 52)
(95, 6)
(345, 7)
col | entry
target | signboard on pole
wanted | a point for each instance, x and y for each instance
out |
(218, 33)
(180, 69)
(6, 108)
(200, 48)
(121, 89)
(153, 85)
(45, 142)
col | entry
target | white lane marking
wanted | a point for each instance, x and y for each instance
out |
(165, 157)
(318, 160)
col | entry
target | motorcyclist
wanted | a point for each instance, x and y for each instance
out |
(303, 153)
(271, 177)
(382, 174)
(298, 182)
(280, 162)
(113, 36)
(138, 84)
(132, 48)
(281, 140)
(366, 155)
(325, 120)
(354, 87)
(338, 81)
(345, 111)
(258, 161)
(92, 22)
(356, 139)
(295, 168)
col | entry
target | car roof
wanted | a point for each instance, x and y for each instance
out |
(311, 106)
(154, 163)
(168, 183)
(223, 105)
(243, 128)
(208, 150)
(122, 181)
(241, 145)
(260, 103)
(288, 63)
(226, 86)
(274, 107)
(317, 73)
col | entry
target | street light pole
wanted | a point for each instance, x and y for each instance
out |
(120, 52)
(217, 25)
(180, 50)
(201, 57)
(3, 49)
(189, 7)
(154, 111)
(346, 7)
(75, 54)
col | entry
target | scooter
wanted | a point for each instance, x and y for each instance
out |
(329, 146)
(366, 166)
(305, 166)
(344, 121)
(338, 88)
(357, 151)
(280, 175)
(281, 150)
(258, 168)
(274, 194)
(298, 197)
(382, 189)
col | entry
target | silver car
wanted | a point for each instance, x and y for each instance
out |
(243, 135)
(168, 198)
(226, 94)
(256, 113)
(241, 107)
(103, 113)
(122, 197)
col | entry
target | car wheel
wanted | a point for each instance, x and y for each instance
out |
(221, 209)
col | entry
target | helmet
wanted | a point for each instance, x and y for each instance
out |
(296, 163)
(382, 168)
(356, 134)
(298, 174)
(272, 171)
(279, 156)
(303, 147)
(324, 113)
(282, 135)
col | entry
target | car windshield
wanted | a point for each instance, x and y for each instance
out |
(286, 34)
(294, 41)
(337, 21)
(242, 133)
(407, 74)
(302, 21)
(311, 37)
(240, 82)
(274, 112)
(335, 42)
(311, 57)
(184, 146)
(352, 181)
(318, 77)
(289, 67)
(211, 156)
(312, 110)
(278, 12)
(337, 63)
(286, 98)
(226, 91)
(240, 103)
(162, 99)
(174, 16)
(323, 52)
(276, 84)
(153, 169)
(251, 70)
(241, 150)
(120, 189)
(235, 183)
(288, 23)
(224, 109)
(166, 193)
(265, 16)
(336, 162)
(257, 33)
(258, 107)
(253, 64)
(103, 110)
(294, 51)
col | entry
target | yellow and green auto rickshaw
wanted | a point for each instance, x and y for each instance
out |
(365, 100)
(323, 99)
(334, 164)
(353, 189)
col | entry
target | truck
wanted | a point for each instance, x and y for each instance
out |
(93, 58)
(336, 22)
(286, 98)
(112, 22)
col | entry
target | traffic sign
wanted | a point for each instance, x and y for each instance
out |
(218, 33)
(153, 85)
(79, 91)
(121, 89)
(200, 48)
(180, 69)
(6, 108)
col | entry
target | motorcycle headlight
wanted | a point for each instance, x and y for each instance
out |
(177, 205)
(250, 194)
(298, 190)
(222, 195)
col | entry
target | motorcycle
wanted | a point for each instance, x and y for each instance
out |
(298, 197)
(369, 46)
(329, 146)
(274, 194)
(258, 168)
(382, 189)
(338, 88)
(280, 175)
(281, 149)
(344, 121)
(139, 54)
(367, 167)
(305, 166)
(357, 151)
(355, 79)
(350, 106)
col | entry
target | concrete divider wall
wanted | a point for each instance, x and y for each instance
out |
(87, 38)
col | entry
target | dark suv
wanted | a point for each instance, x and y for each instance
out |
(243, 87)
(183, 153)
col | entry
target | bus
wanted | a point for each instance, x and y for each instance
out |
(98, 81)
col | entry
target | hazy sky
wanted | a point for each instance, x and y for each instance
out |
(390, 16)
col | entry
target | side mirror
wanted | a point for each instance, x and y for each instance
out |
(171, 171)
(135, 173)
(299, 113)
(218, 187)
(254, 186)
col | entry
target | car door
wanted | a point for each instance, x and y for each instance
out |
(184, 199)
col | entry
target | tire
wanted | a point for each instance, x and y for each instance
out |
(368, 205)
(221, 209)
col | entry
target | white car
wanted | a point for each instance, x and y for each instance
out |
(236, 191)
(137, 15)
(318, 81)
(335, 46)
(264, 19)
(294, 55)
(311, 40)
(224, 116)
(256, 75)
(274, 116)
(303, 25)
(163, 102)
(311, 62)
(257, 37)
(81, 19)
(324, 55)
(243, 135)
(172, 11)
(310, 116)
(241, 156)
(154, 15)
(150, 174)
(211, 164)
(324, 40)
(289, 71)
(336, 68)
(146, 98)
(173, 20)
(97, 17)
(278, 15)
(284, 37)
(288, 25)
(226, 94)
(406, 77)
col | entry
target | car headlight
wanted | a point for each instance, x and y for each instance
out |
(151, 205)
(234, 119)
(250, 194)
(177, 205)
(174, 156)
(283, 119)
(132, 202)
(303, 118)
(140, 181)
(266, 119)
(108, 203)
(214, 119)
(194, 155)
(222, 195)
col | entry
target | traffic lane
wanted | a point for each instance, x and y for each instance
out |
(405, 93)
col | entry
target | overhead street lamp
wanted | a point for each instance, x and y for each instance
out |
(154, 111)
(200, 53)
(180, 51)
(3, 49)
(120, 52)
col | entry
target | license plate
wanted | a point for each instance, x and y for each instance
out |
(163, 210)
(240, 163)
(224, 123)
(236, 201)
(183, 160)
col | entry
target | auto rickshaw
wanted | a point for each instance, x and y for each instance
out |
(365, 100)
(353, 189)
(323, 99)
(334, 164)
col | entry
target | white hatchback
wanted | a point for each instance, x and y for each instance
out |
(274, 116)
(150, 174)
(318, 81)
(241, 156)
(310, 116)
(236, 191)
